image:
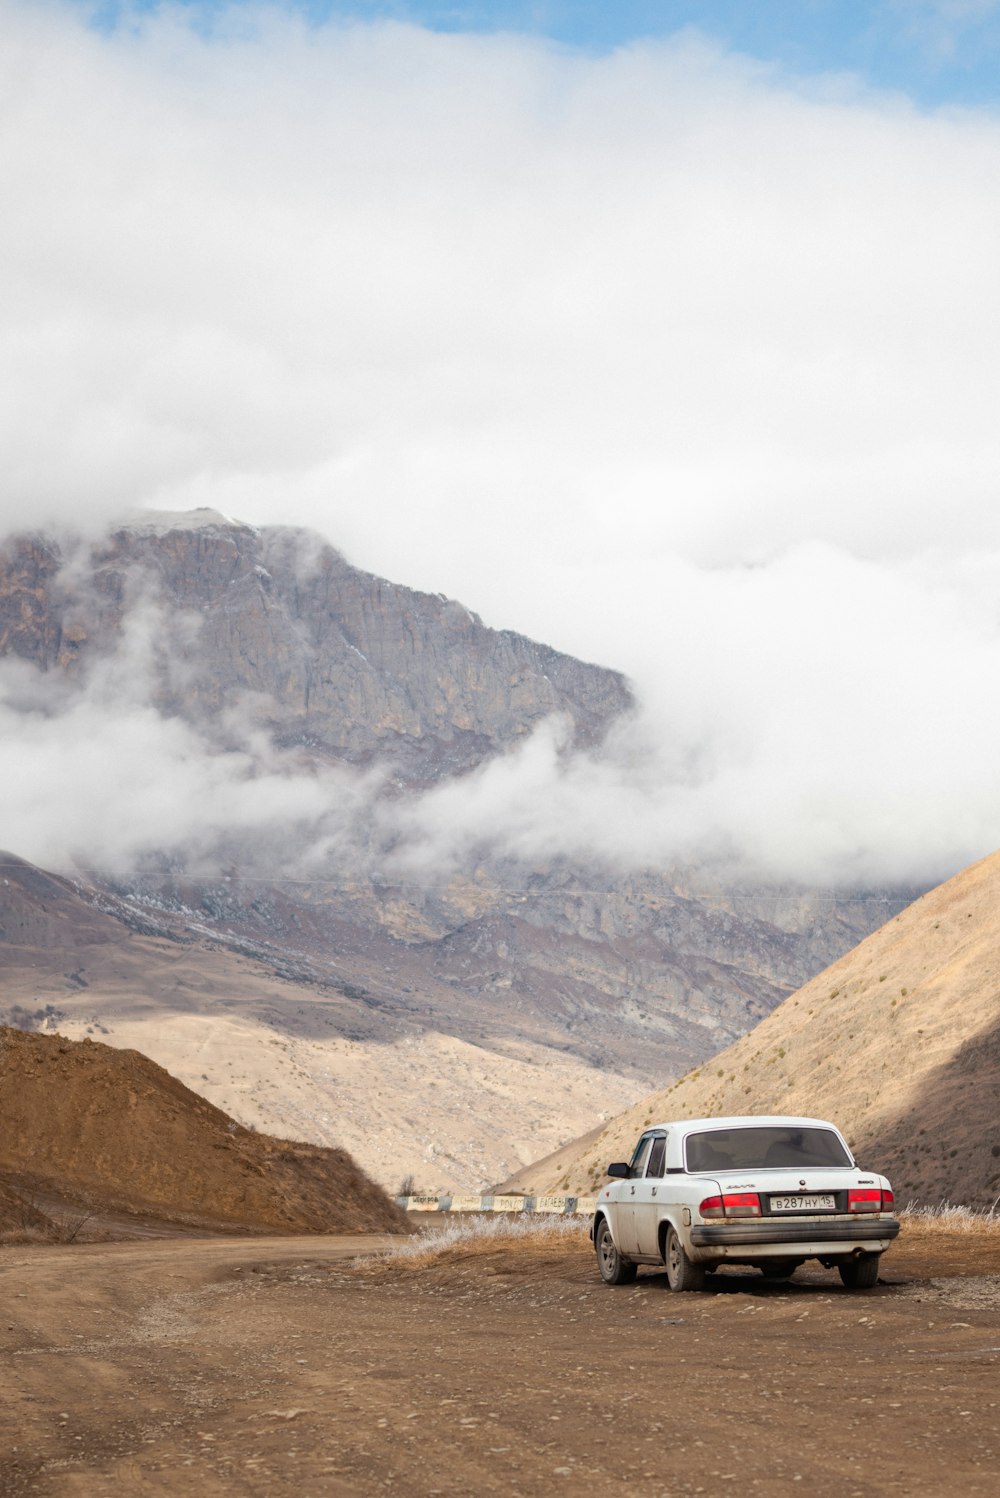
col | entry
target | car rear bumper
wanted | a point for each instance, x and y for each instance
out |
(814, 1235)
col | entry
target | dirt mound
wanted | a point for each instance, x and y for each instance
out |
(898, 1043)
(113, 1130)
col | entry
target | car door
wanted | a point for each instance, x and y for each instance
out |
(646, 1200)
(623, 1193)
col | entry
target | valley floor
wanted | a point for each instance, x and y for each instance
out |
(278, 1367)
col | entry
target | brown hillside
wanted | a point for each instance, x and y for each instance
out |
(115, 1131)
(898, 1043)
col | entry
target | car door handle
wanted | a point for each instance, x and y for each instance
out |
(632, 1191)
(654, 1190)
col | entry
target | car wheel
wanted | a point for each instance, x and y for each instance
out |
(682, 1274)
(613, 1269)
(859, 1274)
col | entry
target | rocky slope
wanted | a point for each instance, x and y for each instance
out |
(898, 1042)
(112, 1130)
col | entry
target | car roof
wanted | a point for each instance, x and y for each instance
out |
(742, 1121)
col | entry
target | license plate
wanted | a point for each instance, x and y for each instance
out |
(803, 1203)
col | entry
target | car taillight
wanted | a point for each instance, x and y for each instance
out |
(888, 1201)
(864, 1200)
(742, 1204)
(733, 1204)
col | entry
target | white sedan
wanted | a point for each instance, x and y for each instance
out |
(771, 1192)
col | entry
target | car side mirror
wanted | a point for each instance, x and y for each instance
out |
(618, 1169)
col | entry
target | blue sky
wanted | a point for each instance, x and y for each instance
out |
(937, 52)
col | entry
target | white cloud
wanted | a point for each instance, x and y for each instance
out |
(802, 733)
(659, 357)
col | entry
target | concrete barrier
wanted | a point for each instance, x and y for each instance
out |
(548, 1206)
(465, 1204)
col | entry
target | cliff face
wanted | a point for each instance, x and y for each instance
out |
(281, 628)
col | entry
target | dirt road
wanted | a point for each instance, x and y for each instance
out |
(275, 1367)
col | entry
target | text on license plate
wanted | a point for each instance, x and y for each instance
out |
(803, 1203)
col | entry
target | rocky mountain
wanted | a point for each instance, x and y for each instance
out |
(898, 1043)
(321, 655)
(533, 996)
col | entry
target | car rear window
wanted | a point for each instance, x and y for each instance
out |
(755, 1148)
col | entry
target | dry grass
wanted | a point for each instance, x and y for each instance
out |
(9, 1237)
(955, 1218)
(54, 1229)
(480, 1238)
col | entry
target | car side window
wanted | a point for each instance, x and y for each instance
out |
(637, 1166)
(657, 1155)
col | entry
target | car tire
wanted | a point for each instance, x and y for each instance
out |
(613, 1269)
(859, 1274)
(682, 1274)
